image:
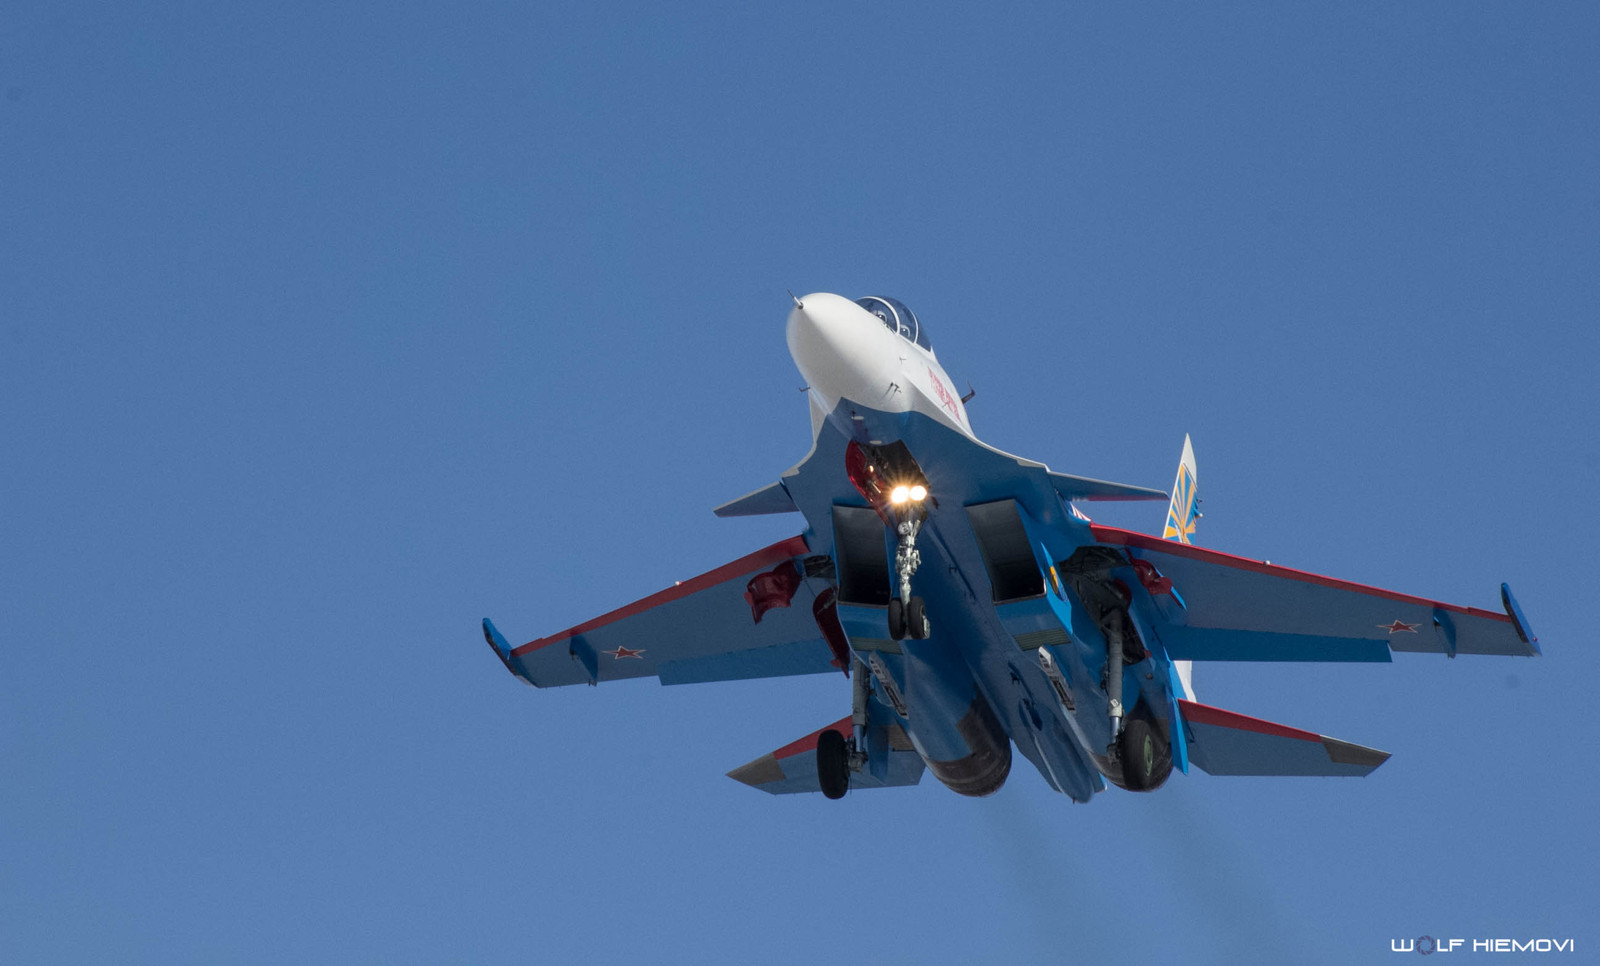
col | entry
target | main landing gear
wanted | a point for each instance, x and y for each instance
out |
(1139, 756)
(838, 756)
(833, 763)
(1107, 599)
(1144, 752)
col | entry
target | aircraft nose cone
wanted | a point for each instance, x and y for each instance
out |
(800, 326)
(816, 334)
(839, 348)
(821, 330)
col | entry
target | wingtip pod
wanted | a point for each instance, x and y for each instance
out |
(1518, 621)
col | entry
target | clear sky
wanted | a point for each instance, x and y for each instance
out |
(327, 330)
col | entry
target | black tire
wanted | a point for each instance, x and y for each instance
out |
(833, 764)
(897, 619)
(917, 620)
(1146, 755)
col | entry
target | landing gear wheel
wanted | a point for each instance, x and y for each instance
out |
(917, 620)
(897, 619)
(833, 764)
(1146, 756)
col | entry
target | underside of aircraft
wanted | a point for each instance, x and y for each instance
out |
(978, 611)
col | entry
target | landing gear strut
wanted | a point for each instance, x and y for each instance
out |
(838, 756)
(893, 483)
(1107, 599)
(908, 616)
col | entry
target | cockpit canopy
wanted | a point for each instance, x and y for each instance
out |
(897, 318)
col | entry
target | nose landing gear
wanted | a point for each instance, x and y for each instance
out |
(890, 479)
(910, 621)
(908, 616)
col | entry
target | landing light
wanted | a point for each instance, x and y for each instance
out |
(901, 494)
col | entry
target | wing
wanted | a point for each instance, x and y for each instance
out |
(793, 768)
(767, 614)
(1227, 608)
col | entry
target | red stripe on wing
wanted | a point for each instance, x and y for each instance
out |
(765, 557)
(1129, 538)
(809, 743)
(1207, 715)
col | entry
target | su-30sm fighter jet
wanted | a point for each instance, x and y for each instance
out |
(975, 609)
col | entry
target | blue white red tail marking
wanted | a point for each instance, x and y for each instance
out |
(1184, 511)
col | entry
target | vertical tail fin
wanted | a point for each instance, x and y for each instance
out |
(1183, 513)
(1184, 510)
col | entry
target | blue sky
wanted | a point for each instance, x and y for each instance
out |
(326, 331)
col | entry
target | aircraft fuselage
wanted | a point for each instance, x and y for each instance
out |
(981, 662)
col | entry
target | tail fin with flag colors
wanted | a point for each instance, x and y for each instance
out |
(1182, 515)
(1184, 510)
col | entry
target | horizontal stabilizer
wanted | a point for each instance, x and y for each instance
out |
(793, 768)
(769, 499)
(1083, 488)
(1225, 743)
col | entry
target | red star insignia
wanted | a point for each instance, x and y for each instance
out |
(622, 652)
(1399, 626)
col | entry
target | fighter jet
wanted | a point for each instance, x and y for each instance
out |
(977, 610)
